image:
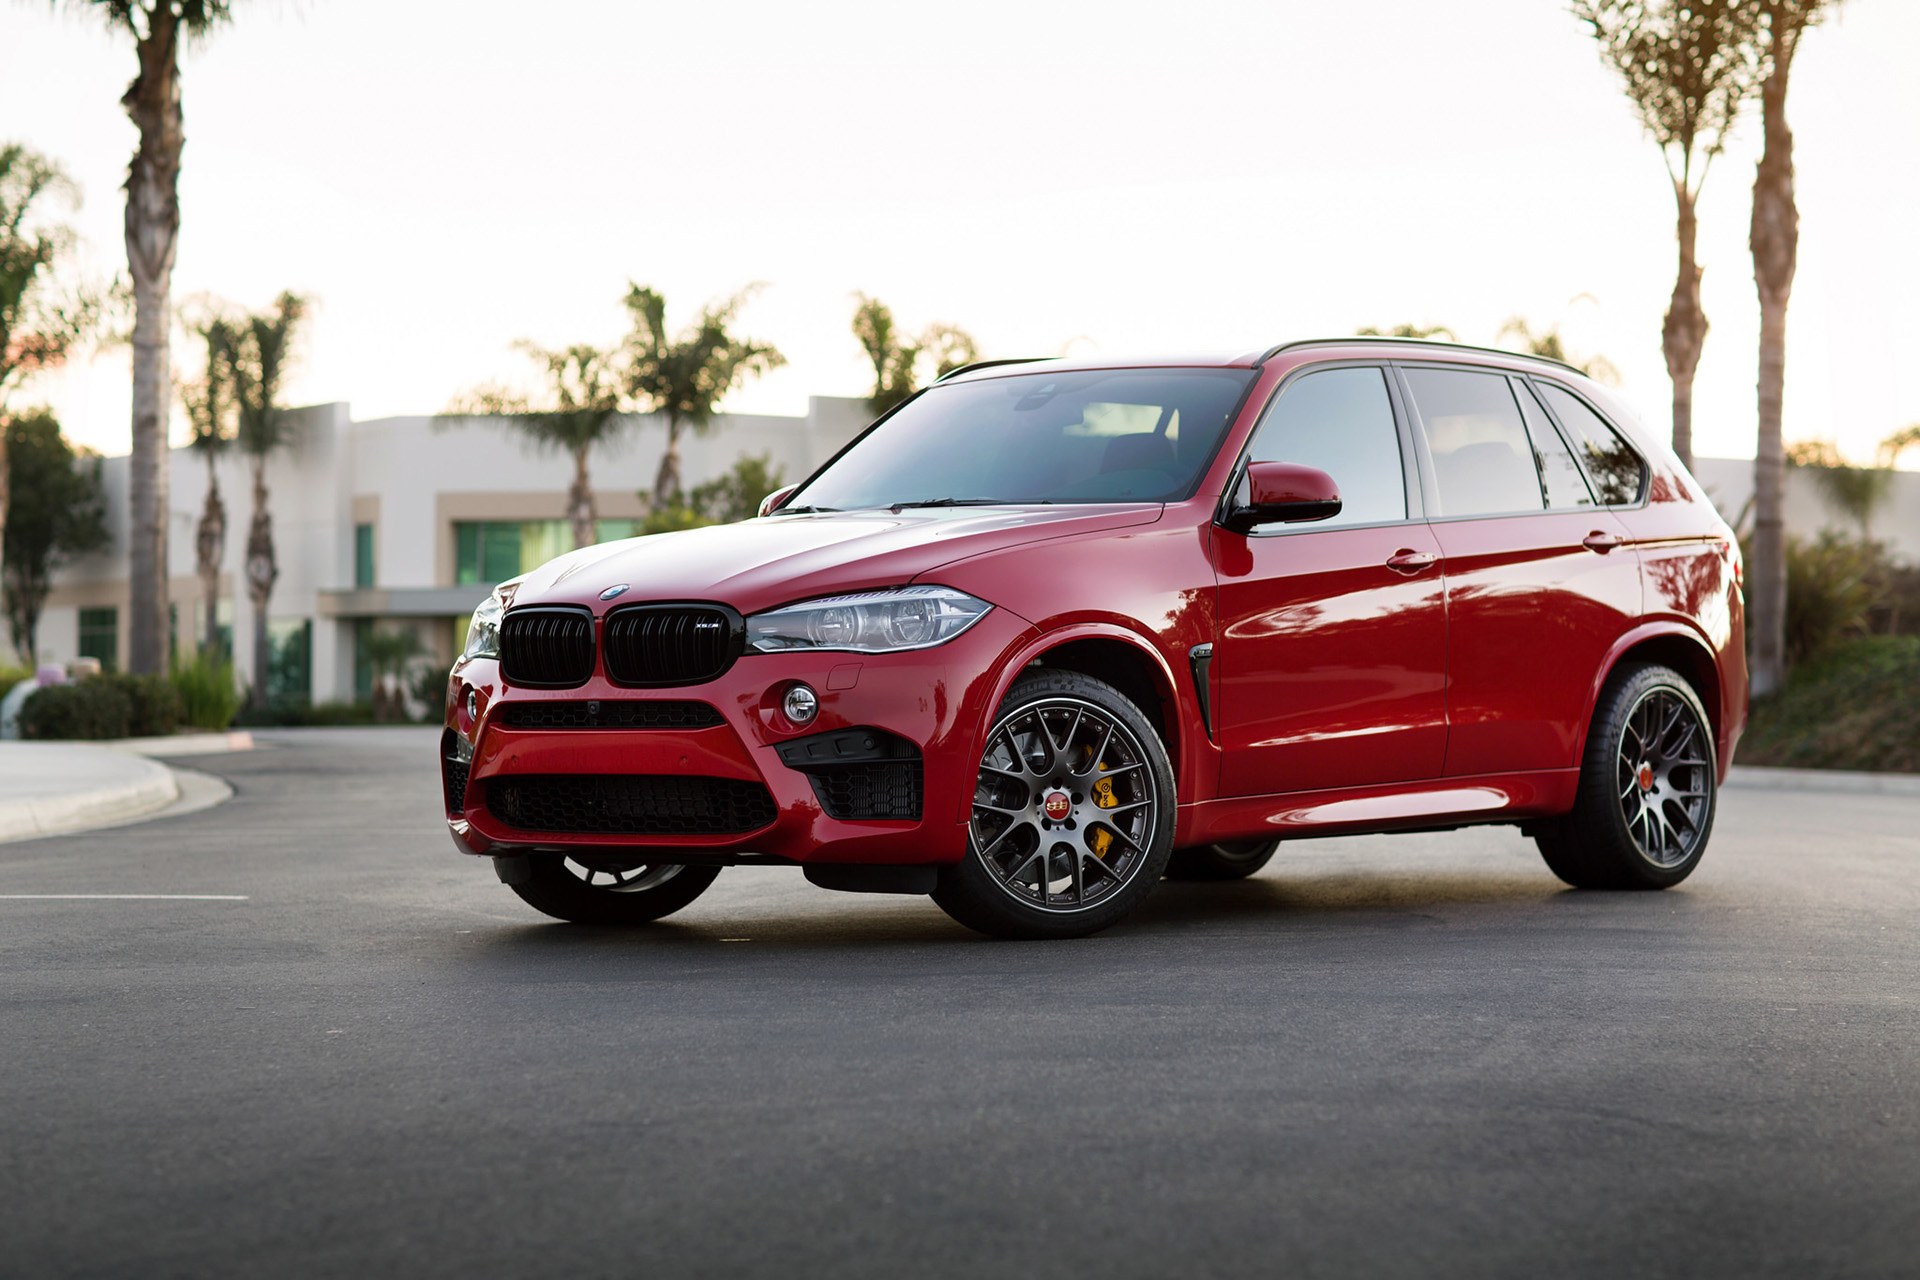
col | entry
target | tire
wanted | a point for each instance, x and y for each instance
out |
(1648, 788)
(568, 890)
(1234, 861)
(1028, 874)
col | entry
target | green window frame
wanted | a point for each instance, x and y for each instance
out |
(100, 636)
(363, 555)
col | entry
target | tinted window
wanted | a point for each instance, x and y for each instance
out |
(1565, 486)
(1616, 469)
(1109, 435)
(1341, 422)
(1482, 459)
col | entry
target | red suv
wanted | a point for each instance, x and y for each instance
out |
(1048, 632)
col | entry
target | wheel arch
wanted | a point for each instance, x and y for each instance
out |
(1674, 646)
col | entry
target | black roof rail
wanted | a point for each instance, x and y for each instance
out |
(1364, 339)
(989, 364)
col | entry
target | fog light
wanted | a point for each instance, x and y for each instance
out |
(473, 705)
(801, 704)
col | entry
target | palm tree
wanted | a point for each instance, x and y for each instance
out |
(152, 102)
(1424, 333)
(1547, 343)
(1899, 442)
(684, 378)
(1688, 66)
(896, 358)
(261, 346)
(580, 409)
(210, 406)
(1774, 238)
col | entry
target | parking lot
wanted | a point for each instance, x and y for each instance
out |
(1412, 1055)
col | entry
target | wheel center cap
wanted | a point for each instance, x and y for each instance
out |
(1646, 776)
(1057, 805)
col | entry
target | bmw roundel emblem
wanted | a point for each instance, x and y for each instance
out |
(611, 592)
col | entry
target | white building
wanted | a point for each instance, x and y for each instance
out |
(408, 519)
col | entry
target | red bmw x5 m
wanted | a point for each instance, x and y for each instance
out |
(1049, 632)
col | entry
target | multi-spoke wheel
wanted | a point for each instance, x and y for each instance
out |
(1072, 813)
(609, 893)
(1235, 861)
(1647, 788)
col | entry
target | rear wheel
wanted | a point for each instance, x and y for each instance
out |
(1234, 861)
(570, 890)
(1648, 786)
(1073, 813)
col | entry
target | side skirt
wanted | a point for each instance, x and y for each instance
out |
(1425, 805)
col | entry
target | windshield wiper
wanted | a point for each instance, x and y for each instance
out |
(799, 511)
(954, 502)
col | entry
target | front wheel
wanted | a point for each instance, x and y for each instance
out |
(1648, 786)
(573, 891)
(1073, 810)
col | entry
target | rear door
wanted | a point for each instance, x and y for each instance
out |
(1538, 584)
(1331, 658)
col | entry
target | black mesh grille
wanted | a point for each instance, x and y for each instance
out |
(630, 804)
(606, 714)
(655, 645)
(876, 789)
(544, 648)
(453, 773)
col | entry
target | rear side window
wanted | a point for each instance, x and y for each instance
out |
(1482, 459)
(1617, 471)
(1341, 422)
(1559, 473)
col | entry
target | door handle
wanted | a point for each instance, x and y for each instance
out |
(1600, 540)
(1407, 560)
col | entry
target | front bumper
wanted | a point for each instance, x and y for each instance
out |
(937, 699)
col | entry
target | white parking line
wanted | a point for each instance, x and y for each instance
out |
(131, 897)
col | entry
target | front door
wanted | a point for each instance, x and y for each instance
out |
(1331, 656)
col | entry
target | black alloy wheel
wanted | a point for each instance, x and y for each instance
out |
(574, 891)
(1234, 861)
(1648, 788)
(1073, 813)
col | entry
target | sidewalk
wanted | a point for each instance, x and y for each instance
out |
(47, 788)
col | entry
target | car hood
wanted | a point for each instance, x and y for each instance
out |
(758, 564)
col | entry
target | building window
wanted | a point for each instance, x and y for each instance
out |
(363, 555)
(490, 551)
(289, 660)
(362, 663)
(100, 636)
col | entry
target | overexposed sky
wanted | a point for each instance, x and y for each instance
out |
(1118, 177)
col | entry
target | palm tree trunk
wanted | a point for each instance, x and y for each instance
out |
(580, 509)
(1775, 241)
(152, 102)
(1685, 331)
(262, 571)
(666, 481)
(210, 540)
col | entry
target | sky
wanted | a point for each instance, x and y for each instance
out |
(1053, 177)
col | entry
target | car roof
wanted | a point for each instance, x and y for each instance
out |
(1382, 347)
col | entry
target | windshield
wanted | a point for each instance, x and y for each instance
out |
(1106, 435)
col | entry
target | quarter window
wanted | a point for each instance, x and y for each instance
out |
(1559, 473)
(1618, 474)
(1482, 459)
(1340, 421)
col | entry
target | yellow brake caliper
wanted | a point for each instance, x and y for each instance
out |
(1102, 839)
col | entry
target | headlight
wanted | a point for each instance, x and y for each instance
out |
(871, 622)
(483, 633)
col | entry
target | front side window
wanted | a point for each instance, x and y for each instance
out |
(1340, 421)
(1482, 460)
(1618, 474)
(1104, 435)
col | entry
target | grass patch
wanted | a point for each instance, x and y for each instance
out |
(1857, 707)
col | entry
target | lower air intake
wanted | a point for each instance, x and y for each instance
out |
(630, 804)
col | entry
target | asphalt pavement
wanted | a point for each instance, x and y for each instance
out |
(339, 1048)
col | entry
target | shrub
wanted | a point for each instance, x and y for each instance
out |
(153, 701)
(1835, 587)
(208, 695)
(93, 709)
(1855, 707)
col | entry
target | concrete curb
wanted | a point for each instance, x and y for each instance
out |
(1885, 784)
(47, 788)
(184, 744)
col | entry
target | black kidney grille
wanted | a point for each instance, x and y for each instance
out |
(652, 646)
(630, 804)
(877, 789)
(544, 648)
(606, 713)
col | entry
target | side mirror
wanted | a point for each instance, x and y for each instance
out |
(1283, 493)
(776, 500)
